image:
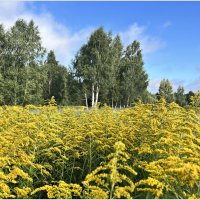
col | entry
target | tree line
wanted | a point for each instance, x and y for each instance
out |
(103, 70)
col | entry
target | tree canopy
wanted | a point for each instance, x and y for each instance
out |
(103, 70)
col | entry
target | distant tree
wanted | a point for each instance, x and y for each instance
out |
(101, 71)
(195, 102)
(60, 85)
(22, 53)
(180, 97)
(133, 78)
(195, 99)
(113, 81)
(148, 97)
(56, 81)
(188, 97)
(92, 62)
(51, 68)
(2, 47)
(166, 91)
(2, 61)
(75, 91)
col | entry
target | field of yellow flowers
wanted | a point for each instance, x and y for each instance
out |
(148, 151)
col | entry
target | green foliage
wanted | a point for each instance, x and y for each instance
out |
(92, 62)
(75, 89)
(112, 93)
(21, 54)
(24, 79)
(134, 80)
(166, 91)
(195, 101)
(188, 97)
(180, 97)
(109, 74)
(56, 80)
(103, 71)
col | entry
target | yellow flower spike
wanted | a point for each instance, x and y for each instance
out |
(149, 150)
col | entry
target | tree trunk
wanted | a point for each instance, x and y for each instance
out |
(112, 102)
(86, 101)
(92, 95)
(25, 93)
(97, 95)
(127, 102)
(49, 89)
(15, 92)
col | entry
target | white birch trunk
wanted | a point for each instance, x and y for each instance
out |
(92, 95)
(128, 102)
(86, 101)
(112, 102)
(97, 95)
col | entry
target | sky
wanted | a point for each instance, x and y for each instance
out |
(169, 32)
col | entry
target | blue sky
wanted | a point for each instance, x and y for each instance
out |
(169, 32)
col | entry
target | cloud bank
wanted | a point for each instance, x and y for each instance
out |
(149, 44)
(56, 36)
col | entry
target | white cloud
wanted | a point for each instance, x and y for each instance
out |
(149, 43)
(11, 8)
(55, 36)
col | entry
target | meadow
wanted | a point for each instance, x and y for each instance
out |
(146, 151)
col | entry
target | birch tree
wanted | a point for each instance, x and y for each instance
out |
(2, 61)
(92, 62)
(22, 54)
(113, 81)
(133, 78)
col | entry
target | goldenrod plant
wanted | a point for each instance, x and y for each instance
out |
(147, 151)
(195, 102)
(110, 179)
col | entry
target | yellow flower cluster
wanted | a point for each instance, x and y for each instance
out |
(62, 191)
(148, 151)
